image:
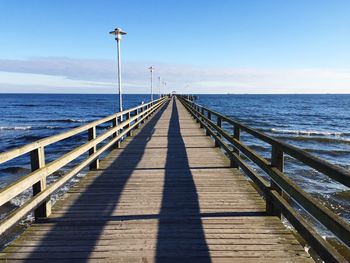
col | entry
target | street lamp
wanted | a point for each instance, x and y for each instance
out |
(151, 70)
(160, 86)
(118, 36)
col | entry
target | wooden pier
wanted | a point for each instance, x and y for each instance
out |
(167, 193)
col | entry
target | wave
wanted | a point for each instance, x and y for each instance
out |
(26, 105)
(67, 120)
(316, 139)
(15, 128)
(256, 147)
(307, 132)
(334, 153)
(53, 127)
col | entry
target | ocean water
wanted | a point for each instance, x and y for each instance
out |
(26, 118)
(318, 124)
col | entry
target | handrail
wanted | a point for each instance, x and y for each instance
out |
(335, 172)
(280, 185)
(40, 202)
(11, 154)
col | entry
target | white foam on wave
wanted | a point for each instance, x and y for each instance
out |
(19, 128)
(52, 127)
(22, 198)
(77, 120)
(306, 132)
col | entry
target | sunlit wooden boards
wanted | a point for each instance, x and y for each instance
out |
(167, 195)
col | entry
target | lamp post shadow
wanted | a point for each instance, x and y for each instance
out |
(180, 233)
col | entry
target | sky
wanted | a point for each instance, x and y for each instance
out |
(196, 46)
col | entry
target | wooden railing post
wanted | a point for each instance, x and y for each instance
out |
(128, 116)
(197, 113)
(92, 135)
(202, 112)
(218, 123)
(152, 111)
(150, 114)
(147, 106)
(209, 117)
(137, 119)
(277, 160)
(192, 106)
(37, 161)
(237, 136)
(115, 122)
(142, 110)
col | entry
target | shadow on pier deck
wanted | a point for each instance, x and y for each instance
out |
(168, 194)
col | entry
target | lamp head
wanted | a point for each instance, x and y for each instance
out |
(118, 33)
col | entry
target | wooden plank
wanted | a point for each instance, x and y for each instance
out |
(166, 195)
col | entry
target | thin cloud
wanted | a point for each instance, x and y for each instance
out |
(99, 76)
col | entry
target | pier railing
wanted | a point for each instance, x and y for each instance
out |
(279, 190)
(122, 125)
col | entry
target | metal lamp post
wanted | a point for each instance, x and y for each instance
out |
(160, 86)
(118, 36)
(151, 70)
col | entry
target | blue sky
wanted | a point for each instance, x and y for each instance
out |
(290, 46)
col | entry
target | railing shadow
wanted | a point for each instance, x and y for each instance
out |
(88, 230)
(180, 232)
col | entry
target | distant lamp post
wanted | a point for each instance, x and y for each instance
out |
(160, 86)
(151, 69)
(163, 87)
(118, 36)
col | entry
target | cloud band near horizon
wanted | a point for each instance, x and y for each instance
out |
(72, 75)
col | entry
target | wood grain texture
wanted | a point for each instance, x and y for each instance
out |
(166, 195)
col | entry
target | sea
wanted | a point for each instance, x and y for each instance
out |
(318, 124)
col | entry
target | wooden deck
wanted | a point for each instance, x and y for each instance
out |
(167, 195)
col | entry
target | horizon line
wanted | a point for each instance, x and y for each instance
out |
(156, 94)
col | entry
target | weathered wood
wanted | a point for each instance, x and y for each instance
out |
(277, 160)
(41, 171)
(218, 123)
(280, 182)
(92, 135)
(115, 123)
(202, 112)
(37, 161)
(166, 195)
(332, 221)
(237, 136)
(128, 117)
(333, 171)
(325, 250)
(11, 154)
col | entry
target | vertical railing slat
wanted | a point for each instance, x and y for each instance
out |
(277, 160)
(219, 124)
(237, 136)
(92, 135)
(37, 161)
(142, 110)
(115, 123)
(202, 112)
(138, 118)
(128, 116)
(209, 117)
